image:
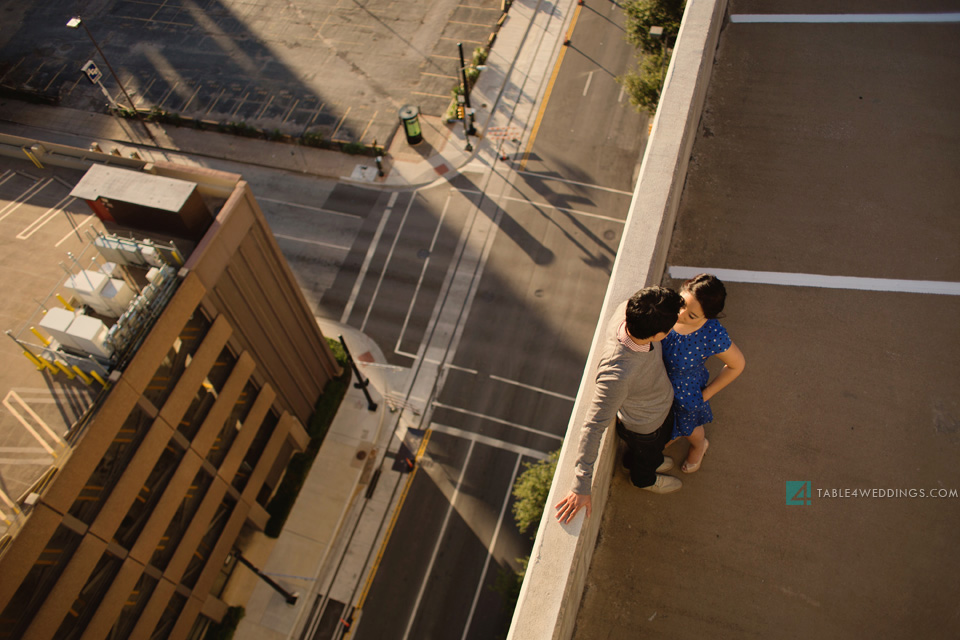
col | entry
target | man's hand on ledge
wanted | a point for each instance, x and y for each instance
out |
(569, 506)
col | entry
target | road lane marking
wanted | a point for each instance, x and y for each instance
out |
(935, 287)
(436, 547)
(372, 249)
(547, 205)
(586, 87)
(386, 263)
(546, 94)
(844, 18)
(310, 207)
(498, 421)
(458, 368)
(490, 442)
(544, 176)
(316, 242)
(532, 388)
(493, 545)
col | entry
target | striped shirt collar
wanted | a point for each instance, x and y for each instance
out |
(628, 342)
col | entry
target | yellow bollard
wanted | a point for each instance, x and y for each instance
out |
(86, 379)
(66, 305)
(35, 360)
(103, 383)
(45, 341)
(63, 367)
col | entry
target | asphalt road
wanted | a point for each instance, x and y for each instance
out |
(506, 382)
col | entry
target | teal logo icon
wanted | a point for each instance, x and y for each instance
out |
(799, 492)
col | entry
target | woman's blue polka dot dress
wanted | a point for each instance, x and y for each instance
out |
(684, 357)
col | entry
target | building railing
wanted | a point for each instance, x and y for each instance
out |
(550, 598)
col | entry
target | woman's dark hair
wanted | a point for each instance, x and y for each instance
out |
(709, 292)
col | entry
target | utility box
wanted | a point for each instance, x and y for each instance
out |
(410, 118)
(134, 200)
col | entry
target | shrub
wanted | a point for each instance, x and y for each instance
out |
(645, 84)
(531, 490)
(643, 14)
(225, 629)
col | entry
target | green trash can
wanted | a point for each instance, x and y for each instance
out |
(410, 117)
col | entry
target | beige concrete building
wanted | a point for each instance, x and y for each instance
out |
(202, 388)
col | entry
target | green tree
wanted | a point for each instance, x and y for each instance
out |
(643, 14)
(531, 490)
(645, 83)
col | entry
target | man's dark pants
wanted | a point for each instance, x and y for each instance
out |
(645, 451)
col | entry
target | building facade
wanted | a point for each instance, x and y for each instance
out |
(131, 531)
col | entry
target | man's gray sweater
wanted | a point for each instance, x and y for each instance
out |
(632, 385)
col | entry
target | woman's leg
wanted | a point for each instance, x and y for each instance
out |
(697, 446)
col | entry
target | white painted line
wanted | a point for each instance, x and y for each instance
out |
(493, 545)
(498, 421)
(7, 501)
(436, 547)
(586, 87)
(547, 205)
(844, 18)
(366, 261)
(423, 271)
(491, 442)
(316, 242)
(406, 354)
(23, 197)
(48, 215)
(826, 282)
(89, 218)
(27, 425)
(21, 450)
(543, 176)
(622, 92)
(26, 462)
(464, 369)
(532, 388)
(307, 206)
(386, 263)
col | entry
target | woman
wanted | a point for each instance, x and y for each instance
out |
(697, 336)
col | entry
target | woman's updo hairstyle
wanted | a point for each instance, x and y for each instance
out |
(709, 292)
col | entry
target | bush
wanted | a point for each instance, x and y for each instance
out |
(645, 84)
(225, 629)
(480, 56)
(353, 148)
(643, 14)
(286, 494)
(531, 490)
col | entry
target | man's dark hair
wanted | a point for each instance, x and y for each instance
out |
(652, 310)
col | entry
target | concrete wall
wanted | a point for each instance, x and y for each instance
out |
(552, 589)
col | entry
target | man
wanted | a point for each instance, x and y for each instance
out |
(633, 389)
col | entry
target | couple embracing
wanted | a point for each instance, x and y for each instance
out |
(652, 381)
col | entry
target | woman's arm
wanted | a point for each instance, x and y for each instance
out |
(734, 363)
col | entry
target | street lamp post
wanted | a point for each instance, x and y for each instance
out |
(75, 23)
(467, 110)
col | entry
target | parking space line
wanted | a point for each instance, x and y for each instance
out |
(49, 215)
(935, 287)
(88, 219)
(23, 197)
(16, 414)
(844, 18)
(498, 421)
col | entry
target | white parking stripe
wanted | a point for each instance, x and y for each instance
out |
(844, 18)
(826, 282)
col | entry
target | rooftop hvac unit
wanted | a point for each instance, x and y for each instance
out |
(88, 285)
(117, 295)
(56, 322)
(90, 334)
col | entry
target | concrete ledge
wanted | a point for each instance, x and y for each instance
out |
(553, 587)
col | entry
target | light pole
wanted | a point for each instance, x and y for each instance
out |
(75, 23)
(467, 109)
